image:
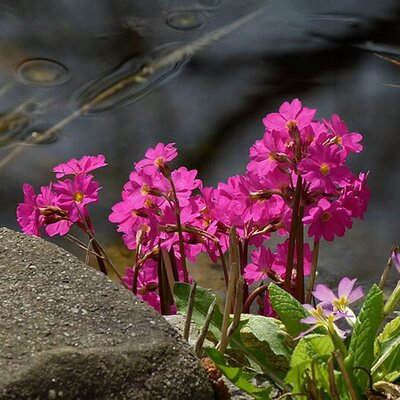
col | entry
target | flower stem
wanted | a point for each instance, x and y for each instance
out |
(177, 211)
(386, 271)
(292, 235)
(392, 301)
(253, 295)
(300, 259)
(313, 271)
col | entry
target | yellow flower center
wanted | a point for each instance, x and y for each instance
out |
(341, 304)
(78, 197)
(144, 190)
(324, 169)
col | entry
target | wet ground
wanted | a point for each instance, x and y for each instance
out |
(77, 72)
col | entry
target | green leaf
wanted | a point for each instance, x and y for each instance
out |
(361, 349)
(387, 352)
(289, 309)
(265, 330)
(312, 348)
(202, 302)
(309, 360)
(238, 377)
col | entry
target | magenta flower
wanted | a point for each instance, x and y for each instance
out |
(260, 268)
(327, 220)
(147, 283)
(279, 265)
(28, 212)
(356, 195)
(269, 153)
(54, 219)
(340, 303)
(323, 169)
(75, 194)
(81, 166)
(290, 115)
(158, 156)
(342, 137)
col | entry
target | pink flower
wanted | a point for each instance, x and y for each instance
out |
(269, 153)
(75, 194)
(279, 266)
(356, 195)
(395, 259)
(340, 303)
(321, 317)
(28, 212)
(341, 136)
(290, 115)
(260, 268)
(53, 218)
(346, 294)
(323, 169)
(157, 157)
(147, 283)
(83, 165)
(327, 220)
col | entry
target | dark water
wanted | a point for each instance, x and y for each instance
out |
(56, 56)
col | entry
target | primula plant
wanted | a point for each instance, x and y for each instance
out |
(297, 187)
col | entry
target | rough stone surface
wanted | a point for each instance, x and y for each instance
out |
(68, 332)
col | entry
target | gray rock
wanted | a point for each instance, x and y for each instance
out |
(68, 332)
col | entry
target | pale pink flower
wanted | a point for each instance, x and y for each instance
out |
(340, 303)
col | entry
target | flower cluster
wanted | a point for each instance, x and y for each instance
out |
(60, 205)
(296, 178)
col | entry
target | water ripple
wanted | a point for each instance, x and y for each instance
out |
(41, 72)
(127, 83)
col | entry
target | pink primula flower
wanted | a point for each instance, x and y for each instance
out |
(327, 220)
(28, 212)
(157, 157)
(260, 268)
(54, 219)
(340, 303)
(147, 283)
(290, 115)
(75, 194)
(356, 195)
(324, 169)
(341, 136)
(81, 166)
(279, 266)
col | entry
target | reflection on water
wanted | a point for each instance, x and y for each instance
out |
(128, 83)
(11, 125)
(40, 72)
(214, 106)
(189, 20)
